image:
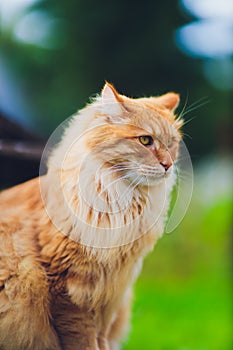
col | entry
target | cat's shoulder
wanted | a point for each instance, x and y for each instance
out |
(20, 195)
(17, 226)
(16, 207)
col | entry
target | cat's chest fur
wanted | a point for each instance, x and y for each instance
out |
(86, 284)
(88, 277)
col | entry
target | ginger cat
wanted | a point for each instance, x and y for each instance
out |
(72, 242)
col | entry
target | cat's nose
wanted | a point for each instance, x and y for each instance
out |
(166, 165)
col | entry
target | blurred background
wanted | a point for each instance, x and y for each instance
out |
(55, 54)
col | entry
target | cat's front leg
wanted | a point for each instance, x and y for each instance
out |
(120, 325)
(78, 336)
(103, 342)
(76, 328)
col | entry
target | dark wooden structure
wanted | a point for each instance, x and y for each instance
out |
(20, 153)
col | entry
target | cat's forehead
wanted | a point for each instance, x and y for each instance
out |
(151, 117)
(153, 122)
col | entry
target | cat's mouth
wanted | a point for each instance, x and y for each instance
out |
(149, 178)
(153, 179)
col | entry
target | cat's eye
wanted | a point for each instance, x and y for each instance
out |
(146, 140)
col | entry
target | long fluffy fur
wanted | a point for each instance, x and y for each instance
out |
(63, 283)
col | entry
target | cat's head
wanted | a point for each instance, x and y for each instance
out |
(137, 139)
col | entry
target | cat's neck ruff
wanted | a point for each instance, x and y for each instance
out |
(102, 211)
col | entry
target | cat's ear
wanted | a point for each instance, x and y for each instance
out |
(170, 100)
(111, 100)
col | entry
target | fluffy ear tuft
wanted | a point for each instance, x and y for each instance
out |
(170, 100)
(111, 100)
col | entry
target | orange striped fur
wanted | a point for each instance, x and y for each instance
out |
(72, 242)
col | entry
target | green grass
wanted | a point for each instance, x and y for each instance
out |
(183, 296)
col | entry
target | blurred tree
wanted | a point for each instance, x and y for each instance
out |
(128, 43)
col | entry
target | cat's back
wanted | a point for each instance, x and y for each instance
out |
(17, 226)
(17, 199)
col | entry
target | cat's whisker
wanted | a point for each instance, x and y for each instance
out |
(110, 172)
(193, 106)
(119, 165)
(148, 167)
(144, 166)
(180, 159)
(188, 120)
(185, 134)
(179, 117)
(199, 102)
(129, 188)
(115, 179)
(137, 183)
(116, 168)
(151, 170)
(176, 166)
(183, 176)
(113, 182)
(193, 109)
